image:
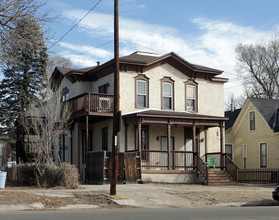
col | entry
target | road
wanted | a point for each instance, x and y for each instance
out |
(146, 214)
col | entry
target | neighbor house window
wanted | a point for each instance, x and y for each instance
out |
(191, 88)
(65, 94)
(167, 93)
(141, 91)
(229, 150)
(252, 120)
(263, 155)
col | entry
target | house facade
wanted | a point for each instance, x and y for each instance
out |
(252, 134)
(172, 114)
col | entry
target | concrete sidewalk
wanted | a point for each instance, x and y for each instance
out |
(151, 196)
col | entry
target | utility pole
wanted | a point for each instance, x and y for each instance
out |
(116, 113)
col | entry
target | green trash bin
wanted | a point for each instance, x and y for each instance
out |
(3, 176)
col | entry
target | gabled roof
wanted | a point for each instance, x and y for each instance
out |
(232, 115)
(269, 109)
(139, 62)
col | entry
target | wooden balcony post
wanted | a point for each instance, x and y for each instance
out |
(205, 142)
(194, 141)
(89, 102)
(169, 146)
(139, 137)
(86, 133)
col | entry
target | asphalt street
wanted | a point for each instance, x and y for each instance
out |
(269, 213)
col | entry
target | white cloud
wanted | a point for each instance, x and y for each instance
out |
(214, 47)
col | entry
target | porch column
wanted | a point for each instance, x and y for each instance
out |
(169, 146)
(205, 143)
(194, 143)
(126, 141)
(139, 136)
(222, 143)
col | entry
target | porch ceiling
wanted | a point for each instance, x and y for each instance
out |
(172, 117)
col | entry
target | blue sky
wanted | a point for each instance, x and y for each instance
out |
(204, 32)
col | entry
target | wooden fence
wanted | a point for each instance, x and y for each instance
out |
(258, 176)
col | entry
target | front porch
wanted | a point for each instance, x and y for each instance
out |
(177, 144)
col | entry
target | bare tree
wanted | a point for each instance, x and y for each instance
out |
(44, 123)
(55, 60)
(234, 102)
(261, 62)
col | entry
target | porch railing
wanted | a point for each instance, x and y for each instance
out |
(92, 103)
(202, 167)
(231, 167)
(159, 160)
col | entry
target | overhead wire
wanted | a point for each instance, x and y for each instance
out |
(74, 25)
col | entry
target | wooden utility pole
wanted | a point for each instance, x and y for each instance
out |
(116, 114)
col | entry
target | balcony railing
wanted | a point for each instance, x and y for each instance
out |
(92, 104)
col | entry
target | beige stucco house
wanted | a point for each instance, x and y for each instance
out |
(172, 115)
(252, 134)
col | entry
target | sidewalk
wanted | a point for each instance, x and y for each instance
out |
(135, 195)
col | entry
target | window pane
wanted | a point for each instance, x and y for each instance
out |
(167, 103)
(141, 87)
(263, 155)
(190, 92)
(167, 89)
(141, 101)
(252, 120)
(190, 104)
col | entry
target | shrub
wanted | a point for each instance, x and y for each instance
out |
(44, 175)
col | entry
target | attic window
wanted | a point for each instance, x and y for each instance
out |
(65, 94)
(252, 120)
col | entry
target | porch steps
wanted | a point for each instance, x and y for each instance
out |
(219, 177)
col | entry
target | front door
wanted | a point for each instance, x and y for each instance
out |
(164, 149)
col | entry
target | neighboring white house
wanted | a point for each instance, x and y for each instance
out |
(172, 113)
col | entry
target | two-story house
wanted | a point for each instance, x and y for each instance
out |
(252, 134)
(172, 114)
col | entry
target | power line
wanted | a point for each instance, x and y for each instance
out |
(142, 46)
(75, 25)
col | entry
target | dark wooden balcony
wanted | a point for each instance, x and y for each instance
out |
(95, 104)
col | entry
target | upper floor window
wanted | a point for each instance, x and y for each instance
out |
(191, 96)
(252, 120)
(104, 88)
(167, 93)
(142, 89)
(65, 94)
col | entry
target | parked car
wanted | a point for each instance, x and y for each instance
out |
(275, 193)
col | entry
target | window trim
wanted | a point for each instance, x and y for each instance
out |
(142, 77)
(171, 81)
(105, 86)
(264, 142)
(250, 120)
(191, 82)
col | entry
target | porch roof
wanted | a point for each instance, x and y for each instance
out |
(172, 117)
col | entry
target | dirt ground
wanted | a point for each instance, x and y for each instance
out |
(198, 196)
(17, 197)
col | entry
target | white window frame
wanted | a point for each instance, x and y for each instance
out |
(139, 94)
(171, 96)
(187, 109)
(264, 142)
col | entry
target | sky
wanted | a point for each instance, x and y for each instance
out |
(203, 32)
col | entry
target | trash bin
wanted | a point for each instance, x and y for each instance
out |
(3, 176)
